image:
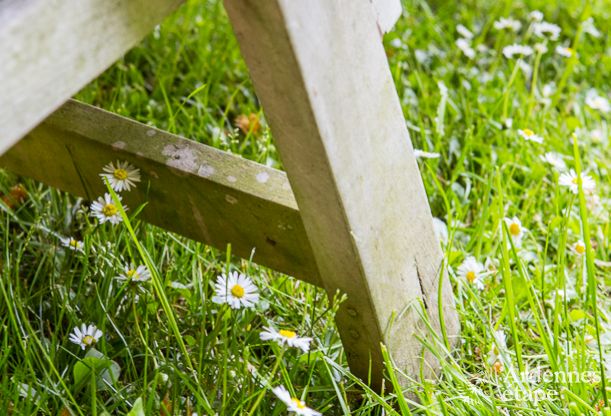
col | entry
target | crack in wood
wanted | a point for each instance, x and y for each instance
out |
(424, 296)
(80, 175)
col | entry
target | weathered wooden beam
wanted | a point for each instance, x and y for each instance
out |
(50, 49)
(320, 71)
(191, 189)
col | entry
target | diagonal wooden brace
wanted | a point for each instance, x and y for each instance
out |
(321, 73)
(189, 188)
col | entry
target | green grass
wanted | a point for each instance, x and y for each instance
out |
(178, 349)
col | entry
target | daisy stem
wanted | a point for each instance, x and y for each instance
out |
(24, 327)
(94, 388)
(159, 291)
(267, 382)
(591, 287)
(535, 307)
(561, 309)
(142, 338)
(506, 273)
(533, 85)
(573, 59)
(514, 74)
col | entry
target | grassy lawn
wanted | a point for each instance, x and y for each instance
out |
(502, 130)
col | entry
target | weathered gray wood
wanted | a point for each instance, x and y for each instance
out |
(49, 49)
(320, 71)
(191, 189)
(387, 12)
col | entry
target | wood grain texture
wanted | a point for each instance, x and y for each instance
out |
(320, 71)
(49, 50)
(191, 189)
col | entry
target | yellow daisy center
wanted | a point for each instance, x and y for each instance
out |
(88, 340)
(497, 367)
(528, 132)
(131, 273)
(569, 51)
(580, 248)
(298, 403)
(514, 229)
(575, 180)
(73, 243)
(120, 174)
(471, 276)
(237, 291)
(109, 210)
(287, 333)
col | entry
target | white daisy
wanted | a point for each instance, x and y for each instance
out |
(237, 290)
(396, 43)
(294, 404)
(441, 230)
(528, 256)
(511, 50)
(528, 134)
(425, 155)
(507, 23)
(491, 265)
(499, 344)
(597, 102)
(580, 248)
(605, 342)
(571, 179)
(565, 51)
(568, 294)
(285, 336)
(516, 231)
(598, 135)
(465, 46)
(549, 89)
(535, 15)
(423, 57)
(105, 209)
(122, 176)
(590, 29)
(28, 392)
(135, 274)
(472, 271)
(540, 48)
(482, 48)
(464, 32)
(597, 207)
(546, 30)
(554, 159)
(85, 336)
(526, 68)
(180, 285)
(72, 243)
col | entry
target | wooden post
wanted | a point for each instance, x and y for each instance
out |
(321, 73)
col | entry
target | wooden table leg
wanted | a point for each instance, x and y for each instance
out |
(321, 73)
